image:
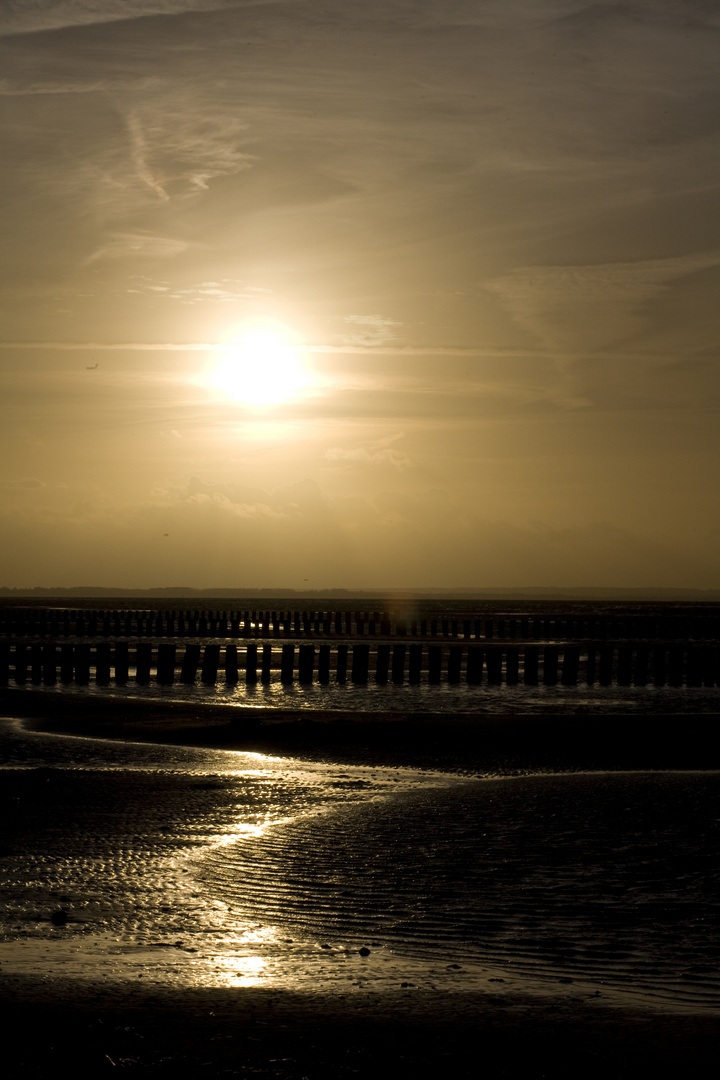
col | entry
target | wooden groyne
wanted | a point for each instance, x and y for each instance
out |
(28, 623)
(599, 663)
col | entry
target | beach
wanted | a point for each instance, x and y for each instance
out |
(352, 909)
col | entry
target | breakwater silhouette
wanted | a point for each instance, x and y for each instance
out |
(651, 647)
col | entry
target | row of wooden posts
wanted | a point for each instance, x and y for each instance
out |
(53, 623)
(625, 665)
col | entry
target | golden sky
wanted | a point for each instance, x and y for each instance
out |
(398, 293)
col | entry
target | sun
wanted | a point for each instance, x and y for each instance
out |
(260, 368)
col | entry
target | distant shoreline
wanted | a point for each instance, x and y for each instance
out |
(530, 594)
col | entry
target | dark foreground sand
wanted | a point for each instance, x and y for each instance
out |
(52, 1030)
(54, 1026)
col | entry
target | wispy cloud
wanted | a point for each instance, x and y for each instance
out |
(21, 17)
(26, 484)
(590, 307)
(131, 245)
(370, 330)
(362, 455)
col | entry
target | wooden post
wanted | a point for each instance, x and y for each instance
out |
(642, 660)
(711, 655)
(434, 664)
(512, 665)
(231, 664)
(624, 671)
(287, 663)
(210, 665)
(695, 658)
(102, 663)
(4, 663)
(570, 665)
(341, 664)
(398, 663)
(266, 664)
(166, 663)
(466, 629)
(455, 653)
(190, 664)
(324, 665)
(360, 664)
(416, 651)
(676, 665)
(306, 664)
(36, 663)
(82, 664)
(385, 624)
(21, 664)
(251, 664)
(659, 666)
(493, 662)
(454, 626)
(488, 629)
(143, 662)
(605, 667)
(445, 627)
(382, 664)
(551, 657)
(473, 671)
(49, 664)
(531, 661)
(122, 662)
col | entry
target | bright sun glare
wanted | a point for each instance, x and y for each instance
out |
(260, 368)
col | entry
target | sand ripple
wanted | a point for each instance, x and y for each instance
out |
(610, 881)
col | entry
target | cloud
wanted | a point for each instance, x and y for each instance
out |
(373, 330)
(26, 484)
(179, 144)
(21, 17)
(246, 511)
(131, 245)
(589, 307)
(224, 291)
(362, 456)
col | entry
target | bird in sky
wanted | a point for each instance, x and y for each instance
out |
(91, 367)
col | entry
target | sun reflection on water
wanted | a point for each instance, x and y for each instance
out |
(240, 963)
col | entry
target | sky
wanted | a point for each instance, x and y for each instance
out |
(400, 293)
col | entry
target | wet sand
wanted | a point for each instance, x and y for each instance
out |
(473, 741)
(126, 984)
